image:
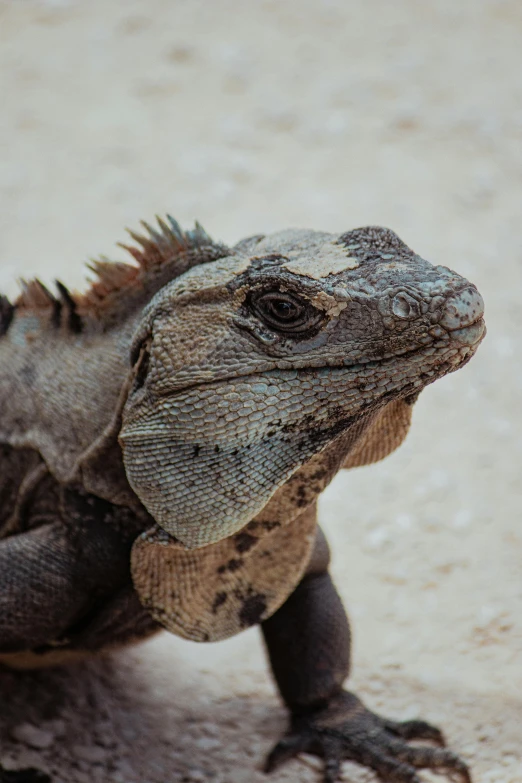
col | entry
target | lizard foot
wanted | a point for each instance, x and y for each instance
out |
(346, 730)
(23, 776)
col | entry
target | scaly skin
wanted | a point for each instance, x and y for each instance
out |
(256, 373)
(254, 403)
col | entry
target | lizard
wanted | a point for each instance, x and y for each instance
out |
(165, 435)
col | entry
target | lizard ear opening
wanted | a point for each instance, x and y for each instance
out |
(141, 365)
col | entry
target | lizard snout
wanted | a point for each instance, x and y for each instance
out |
(463, 309)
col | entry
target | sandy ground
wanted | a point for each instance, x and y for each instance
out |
(252, 117)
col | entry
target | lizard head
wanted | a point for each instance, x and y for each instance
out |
(249, 365)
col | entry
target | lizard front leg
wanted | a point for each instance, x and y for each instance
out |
(308, 641)
(63, 579)
(60, 579)
(50, 578)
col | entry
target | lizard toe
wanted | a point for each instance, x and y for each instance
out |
(414, 730)
(286, 749)
(344, 730)
(421, 757)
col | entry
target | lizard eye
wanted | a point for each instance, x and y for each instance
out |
(284, 311)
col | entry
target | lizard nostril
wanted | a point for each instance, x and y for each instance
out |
(405, 306)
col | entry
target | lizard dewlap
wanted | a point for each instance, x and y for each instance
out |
(164, 438)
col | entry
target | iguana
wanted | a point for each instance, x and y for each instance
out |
(164, 438)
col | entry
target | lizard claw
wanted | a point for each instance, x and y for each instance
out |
(286, 749)
(346, 730)
(414, 729)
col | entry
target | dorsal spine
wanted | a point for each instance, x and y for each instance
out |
(161, 254)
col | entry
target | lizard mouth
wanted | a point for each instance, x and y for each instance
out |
(464, 339)
(472, 334)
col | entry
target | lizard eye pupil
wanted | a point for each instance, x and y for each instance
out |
(283, 309)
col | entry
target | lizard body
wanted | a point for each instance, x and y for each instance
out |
(165, 436)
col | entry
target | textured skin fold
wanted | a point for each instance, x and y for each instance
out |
(215, 592)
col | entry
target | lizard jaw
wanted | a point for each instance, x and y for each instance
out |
(470, 335)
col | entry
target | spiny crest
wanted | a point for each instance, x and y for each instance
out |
(160, 246)
(169, 249)
(162, 254)
(37, 298)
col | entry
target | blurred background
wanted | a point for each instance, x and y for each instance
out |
(252, 117)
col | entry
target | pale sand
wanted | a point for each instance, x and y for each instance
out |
(253, 116)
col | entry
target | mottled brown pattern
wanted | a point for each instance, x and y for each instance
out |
(165, 436)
